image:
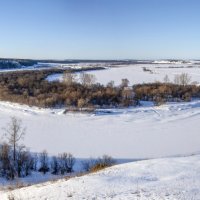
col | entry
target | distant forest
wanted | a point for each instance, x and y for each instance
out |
(16, 63)
(7, 63)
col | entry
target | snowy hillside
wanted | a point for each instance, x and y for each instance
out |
(167, 178)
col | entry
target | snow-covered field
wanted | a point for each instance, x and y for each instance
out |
(140, 132)
(169, 178)
(135, 73)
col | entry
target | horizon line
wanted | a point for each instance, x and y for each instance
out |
(89, 59)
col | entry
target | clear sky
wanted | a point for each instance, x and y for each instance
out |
(100, 29)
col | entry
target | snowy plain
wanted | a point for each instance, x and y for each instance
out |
(140, 132)
(135, 73)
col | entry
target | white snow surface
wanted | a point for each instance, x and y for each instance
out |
(141, 132)
(167, 178)
(135, 73)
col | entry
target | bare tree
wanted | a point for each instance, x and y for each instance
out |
(44, 162)
(23, 162)
(69, 78)
(14, 133)
(66, 161)
(87, 79)
(55, 165)
(124, 82)
(35, 161)
(111, 84)
(185, 79)
(5, 164)
(182, 79)
(177, 79)
(166, 79)
(128, 96)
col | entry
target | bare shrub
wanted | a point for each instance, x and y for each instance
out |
(88, 164)
(94, 165)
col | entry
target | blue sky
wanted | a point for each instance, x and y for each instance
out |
(100, 29)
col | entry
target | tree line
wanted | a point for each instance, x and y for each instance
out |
(32, 88)
(181, 89)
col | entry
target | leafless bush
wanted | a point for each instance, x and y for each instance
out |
(94, 165)
(62, 164)
(88, 164)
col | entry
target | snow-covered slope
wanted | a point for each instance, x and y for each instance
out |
(167, 178)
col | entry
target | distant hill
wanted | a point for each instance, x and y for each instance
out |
(15, 63)
(8, 63)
